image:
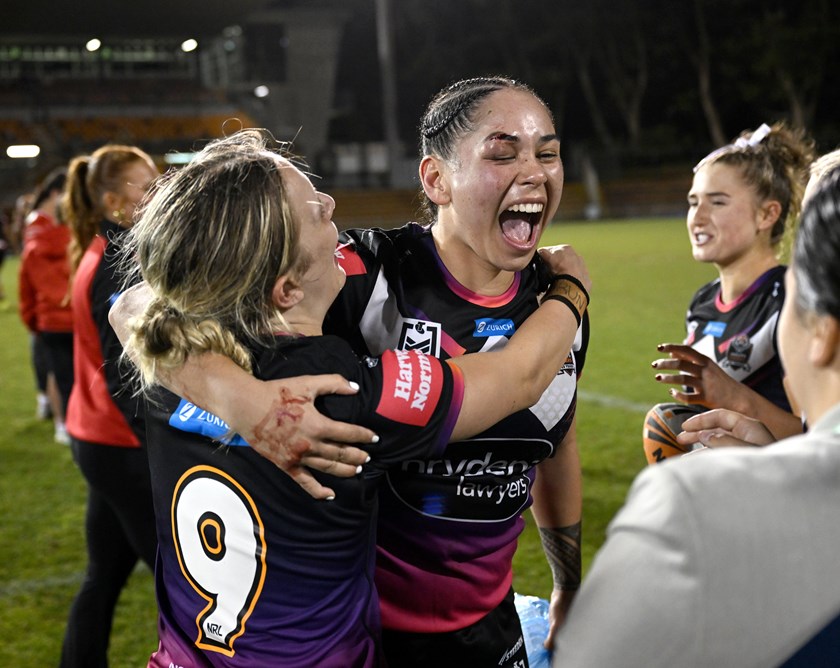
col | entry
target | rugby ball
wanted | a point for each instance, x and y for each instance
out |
(662, 424)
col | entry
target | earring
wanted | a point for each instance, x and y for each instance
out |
(118, 215)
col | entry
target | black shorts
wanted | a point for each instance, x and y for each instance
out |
(495, 641)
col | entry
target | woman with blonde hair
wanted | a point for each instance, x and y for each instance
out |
(103, 419)
(239, 252)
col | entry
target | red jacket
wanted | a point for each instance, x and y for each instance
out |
(92, 414)
(44, 276)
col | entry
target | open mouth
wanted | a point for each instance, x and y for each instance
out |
(520, 221)
(700, 238)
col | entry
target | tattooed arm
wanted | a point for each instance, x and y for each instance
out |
(557, 511)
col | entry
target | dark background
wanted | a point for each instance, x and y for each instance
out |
(634, 84)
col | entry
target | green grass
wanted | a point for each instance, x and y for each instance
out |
(643, 278)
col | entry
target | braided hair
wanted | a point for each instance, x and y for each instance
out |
(449, 117)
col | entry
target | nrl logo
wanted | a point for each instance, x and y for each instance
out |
(420, 335)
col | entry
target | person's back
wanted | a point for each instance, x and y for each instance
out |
(732, 557)
(290, 577)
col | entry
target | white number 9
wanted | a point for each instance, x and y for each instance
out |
(220, 543)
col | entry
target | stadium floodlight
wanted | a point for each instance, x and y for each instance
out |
(93, 44)
(189, 45)
(178, 157)
(261, 91)
(23, 151)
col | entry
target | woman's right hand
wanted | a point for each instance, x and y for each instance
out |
(563, 259)
(281, 422)
(721, 427)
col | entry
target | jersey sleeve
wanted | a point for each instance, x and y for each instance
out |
(412, 401)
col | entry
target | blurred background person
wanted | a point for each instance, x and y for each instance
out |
(44, 294)
(28, 219)
(104, 419)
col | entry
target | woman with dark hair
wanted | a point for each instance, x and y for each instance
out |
(239, 251)
(730, 555)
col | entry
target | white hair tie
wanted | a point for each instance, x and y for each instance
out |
(754, 139)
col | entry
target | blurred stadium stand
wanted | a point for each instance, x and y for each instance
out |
(148, 91)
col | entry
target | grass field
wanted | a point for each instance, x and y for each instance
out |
(643, 278)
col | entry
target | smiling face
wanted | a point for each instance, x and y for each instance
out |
(319, 274)
(502, 187)
(725, 221)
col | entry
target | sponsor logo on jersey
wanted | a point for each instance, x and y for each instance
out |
(738, 353)
(190, 418)
(411, 387)
(714, 328)
(568, 367)
(349, 260)
(493, 327)
(480, 480)
(420, 335)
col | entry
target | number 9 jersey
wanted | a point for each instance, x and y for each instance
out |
(251, 570)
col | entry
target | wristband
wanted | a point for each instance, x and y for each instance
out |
(568, 277)
(568, 290)
(567, 302)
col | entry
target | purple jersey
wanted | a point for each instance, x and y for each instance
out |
(251, 570)
(741, 336)
(448, 525)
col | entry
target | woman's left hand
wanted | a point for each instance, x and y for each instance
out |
(708, 384)
(563, 259)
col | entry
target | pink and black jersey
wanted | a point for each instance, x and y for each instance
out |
(741, 336)
(448, 524)
(251, 570)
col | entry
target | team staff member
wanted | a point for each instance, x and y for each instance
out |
(103, 190)
(252, 570)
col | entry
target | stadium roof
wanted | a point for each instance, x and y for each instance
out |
(118, 18)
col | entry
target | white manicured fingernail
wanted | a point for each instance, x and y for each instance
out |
(358, 469)
(330, 498)
(354, 386)
(375, 439)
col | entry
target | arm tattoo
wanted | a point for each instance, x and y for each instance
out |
(562, 549)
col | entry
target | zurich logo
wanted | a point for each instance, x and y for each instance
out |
(187, 411)
(493, 327)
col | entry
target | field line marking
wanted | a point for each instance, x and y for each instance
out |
(613, 402)
(34, 585)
